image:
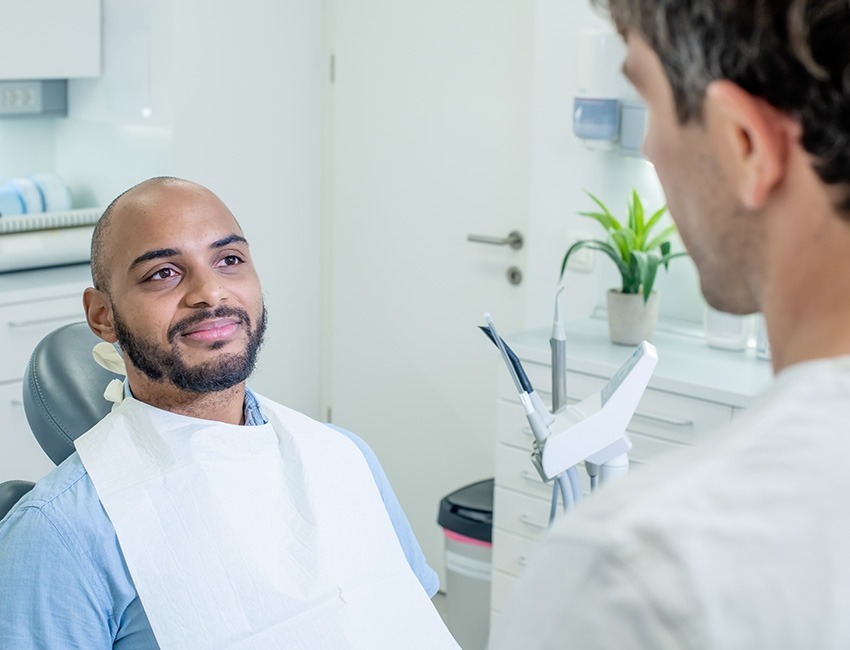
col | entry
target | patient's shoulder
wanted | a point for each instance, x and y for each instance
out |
(68, 478)
(63, 504)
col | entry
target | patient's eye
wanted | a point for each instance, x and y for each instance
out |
(163, 274)
(230, 260)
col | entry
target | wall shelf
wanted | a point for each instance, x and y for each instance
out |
(49, 220)
(46, 239)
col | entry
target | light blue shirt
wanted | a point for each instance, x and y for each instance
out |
(63, 580)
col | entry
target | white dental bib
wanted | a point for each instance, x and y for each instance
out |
(260, 537)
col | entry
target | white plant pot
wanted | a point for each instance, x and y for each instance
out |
(630, 320)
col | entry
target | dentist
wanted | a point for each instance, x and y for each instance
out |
(743, 541)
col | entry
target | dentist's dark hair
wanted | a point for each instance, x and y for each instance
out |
(794, 54)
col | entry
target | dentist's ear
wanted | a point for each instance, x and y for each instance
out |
(99, 314)
(752, 139)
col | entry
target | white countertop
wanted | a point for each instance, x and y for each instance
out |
(686, 364)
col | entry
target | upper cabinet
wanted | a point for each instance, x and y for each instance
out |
(50, 39)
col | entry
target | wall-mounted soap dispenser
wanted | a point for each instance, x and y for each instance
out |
(606, 113)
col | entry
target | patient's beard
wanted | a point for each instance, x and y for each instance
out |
(168, 365)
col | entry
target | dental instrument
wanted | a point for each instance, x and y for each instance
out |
(517, 371)
(566, 483)
(592, 431)
(558, 346)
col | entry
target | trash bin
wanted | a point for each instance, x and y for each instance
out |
(466, 517)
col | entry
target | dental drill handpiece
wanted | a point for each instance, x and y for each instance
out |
(539, 419)
(539, 427)
(518, 375)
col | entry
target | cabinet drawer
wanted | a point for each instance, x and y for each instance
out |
(511, 552)
(511, 426)
(501, 591)
(677, 418)
(515, 471)
(22, 457)
(663, 415)
(23, 325)
(519, 513)
(646, 449)
(496, 622)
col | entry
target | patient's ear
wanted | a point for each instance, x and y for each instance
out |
(754, 140)
(99, 314)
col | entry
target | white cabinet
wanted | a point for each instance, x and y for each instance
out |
(32, 303)
(694, 391)
(50, 39)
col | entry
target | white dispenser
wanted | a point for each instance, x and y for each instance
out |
(606, 112)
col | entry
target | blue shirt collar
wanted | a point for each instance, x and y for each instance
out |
(252, 413)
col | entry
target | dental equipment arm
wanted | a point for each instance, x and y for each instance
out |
(592, 430)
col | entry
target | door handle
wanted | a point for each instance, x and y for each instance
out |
(514, 240)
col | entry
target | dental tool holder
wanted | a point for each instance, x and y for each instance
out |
(594, 430)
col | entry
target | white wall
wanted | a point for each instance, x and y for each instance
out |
(106, 144)
(562, 168)
(248, 103)
(27, 146)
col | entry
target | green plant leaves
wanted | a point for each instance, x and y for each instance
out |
(661, 240)
(632, 248)
(595, 244)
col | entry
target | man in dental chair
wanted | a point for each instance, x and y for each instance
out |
(199, 514)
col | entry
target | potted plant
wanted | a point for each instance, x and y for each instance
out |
(638, 252)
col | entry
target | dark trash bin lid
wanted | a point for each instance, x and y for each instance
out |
(469, 511)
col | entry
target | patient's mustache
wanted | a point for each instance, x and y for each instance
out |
(198, 317)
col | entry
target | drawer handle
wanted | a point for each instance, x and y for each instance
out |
(528, 521)
(527, 431)
(664, 420)
(531, 477)
(17, 402)
(43, 321)
(522, 561)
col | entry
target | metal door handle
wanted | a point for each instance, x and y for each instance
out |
(514, 240)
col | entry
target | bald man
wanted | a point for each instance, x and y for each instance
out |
(199, 514)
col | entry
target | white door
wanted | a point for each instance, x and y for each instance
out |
(430, 114)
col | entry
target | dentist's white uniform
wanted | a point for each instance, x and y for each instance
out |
(742, 542)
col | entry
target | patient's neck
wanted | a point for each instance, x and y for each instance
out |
(226, 406)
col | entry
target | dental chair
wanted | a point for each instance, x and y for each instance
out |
(63, 397)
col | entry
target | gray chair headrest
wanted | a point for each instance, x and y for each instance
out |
(63, 389)
(11, 492)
